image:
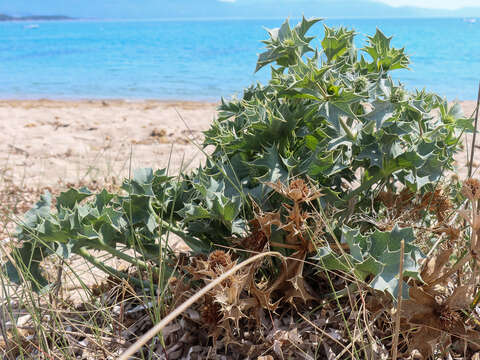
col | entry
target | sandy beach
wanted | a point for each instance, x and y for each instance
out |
(43, 143)
(46, 144)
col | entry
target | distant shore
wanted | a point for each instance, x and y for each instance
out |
(4, 17)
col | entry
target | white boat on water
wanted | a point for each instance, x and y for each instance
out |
(471, 21)
(31, 26)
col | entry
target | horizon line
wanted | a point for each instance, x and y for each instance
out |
(239, 18)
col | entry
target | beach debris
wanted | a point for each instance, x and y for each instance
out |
(158, 132)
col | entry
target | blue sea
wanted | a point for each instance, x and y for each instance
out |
(208, 59)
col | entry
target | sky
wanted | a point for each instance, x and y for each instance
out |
(434, 4)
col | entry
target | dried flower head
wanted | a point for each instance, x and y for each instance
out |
(452, 233)
(297, 190)
(438, 203)
(219, 258)
(471, 189)
(387, 198)
(257, 240)
(210, 313)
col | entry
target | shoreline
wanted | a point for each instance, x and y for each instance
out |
(108, 99)
(19, 102)
(167, 99)
(466, 103)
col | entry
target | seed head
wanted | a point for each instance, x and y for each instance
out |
(298, 190)
(219, 258)
(257, 240)
(360, 84)
(210, 313)
(398, 95)
(471, 189)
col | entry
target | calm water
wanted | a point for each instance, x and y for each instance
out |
(203, 60)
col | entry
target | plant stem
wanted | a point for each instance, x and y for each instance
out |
(346, 129)
(472, 151)
(473, 239)
(122, 255)
(456, 267)
(399, 302)
(108, 269)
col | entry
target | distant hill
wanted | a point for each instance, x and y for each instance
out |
(4, 17)
(296, 8)
(171, 9)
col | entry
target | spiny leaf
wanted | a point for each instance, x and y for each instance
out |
(103, 199)
(286, 46)
(137, 209)
(337, 42)
(141, 183)
(385, 57)
(376, 254)
(382, 111)
(71, 197)
(39, 211)
(27, 265)
(273, 164)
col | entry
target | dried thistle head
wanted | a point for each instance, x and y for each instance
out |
(219, 259)
(257, 240)
(397, 202)
(210, 313)
(443, 206)
(297, 190)
(471, 189)
(437, 202)
(448, 318)
(387, 198)
(452, 233)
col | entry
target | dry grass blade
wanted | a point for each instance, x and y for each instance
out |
(399, 303)
(470, 165)
(170, 317)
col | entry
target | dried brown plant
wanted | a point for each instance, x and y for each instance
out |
(242, 296)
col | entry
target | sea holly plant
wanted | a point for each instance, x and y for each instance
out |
(330, 115)
(377, 254)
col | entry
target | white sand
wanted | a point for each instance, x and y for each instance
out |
(44, 143)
